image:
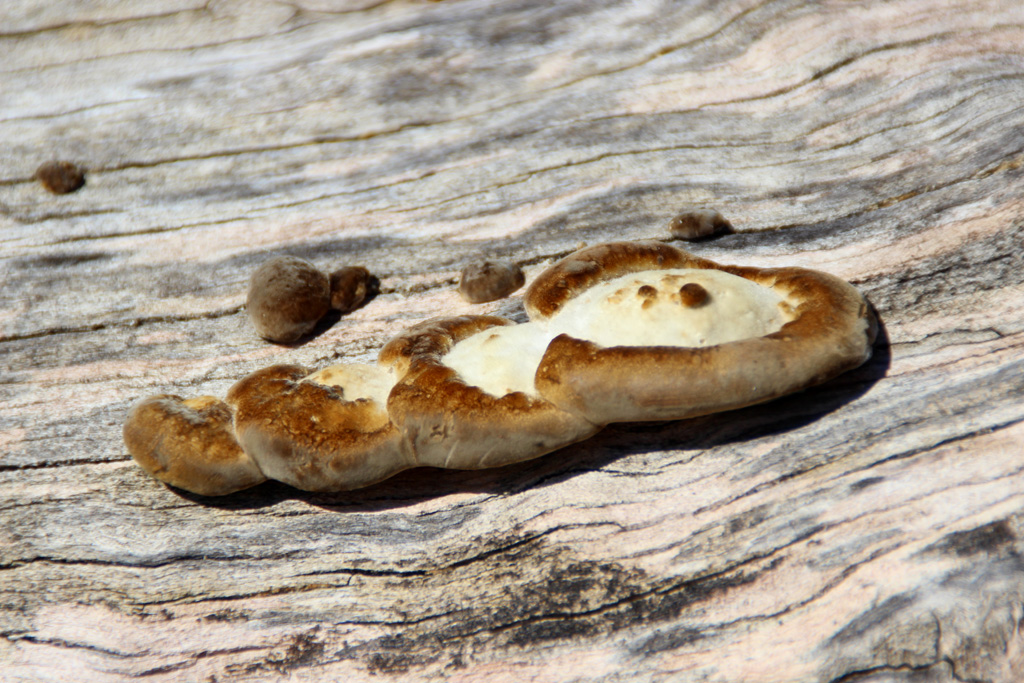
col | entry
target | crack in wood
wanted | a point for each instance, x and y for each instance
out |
(869, 672)
(97, 23)
(560, 118)
(120, 324)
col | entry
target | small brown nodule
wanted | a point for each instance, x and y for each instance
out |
(692, 295)
(489, 281)
(60, 177)
(287, 296)
(695, 225)
(647, 292)
(351, 286)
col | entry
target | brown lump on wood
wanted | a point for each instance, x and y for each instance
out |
(287, 297)
(695, 225)
(351, 286)
(489, 281)
(60, 177)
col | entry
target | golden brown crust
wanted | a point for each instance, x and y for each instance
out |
(189, 444)
(449, 423)
(284, 424)
(431, 339)
(307, 435)
(585, 268)
(832, 332)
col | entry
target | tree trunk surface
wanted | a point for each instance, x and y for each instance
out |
(867, 530)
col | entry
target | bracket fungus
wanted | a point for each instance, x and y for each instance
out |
(625, 331)
(190, 444)
(451, 421)
(321, 431)
(637, 341)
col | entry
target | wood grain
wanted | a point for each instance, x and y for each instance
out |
(867, 530)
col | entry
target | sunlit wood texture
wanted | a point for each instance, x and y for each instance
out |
(868, 530)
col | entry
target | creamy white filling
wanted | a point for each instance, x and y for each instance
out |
(640, 309)
(356, 380)
(500, 360)
(647, 309)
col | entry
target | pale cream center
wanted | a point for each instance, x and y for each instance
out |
(500, 360)
(356, 380)
(682, 307)
(679, 307)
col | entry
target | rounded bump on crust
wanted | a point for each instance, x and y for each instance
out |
(287, 297)
(692, 295)
(189, 444)
(309, 436)
(583, 269)
(449, 423)
(489, 281)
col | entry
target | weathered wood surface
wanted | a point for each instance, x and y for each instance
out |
(867, 530)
